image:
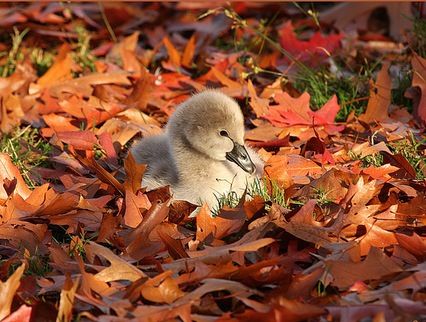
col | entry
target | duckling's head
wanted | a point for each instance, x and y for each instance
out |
(211, 123)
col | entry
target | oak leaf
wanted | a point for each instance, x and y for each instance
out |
(8, 290)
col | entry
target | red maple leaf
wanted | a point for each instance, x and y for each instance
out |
(296, 111)
(319, 46)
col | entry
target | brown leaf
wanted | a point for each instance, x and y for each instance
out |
(80, 140)
(174, 54)
(210, 228)
(398, 160)
(134, 173)
(286, 310)
(83, 86)
(419, 79)
(380, 97)
(8, 290)
(161, 289)
(134, 202)
(415, 244)
(103, 174)
(23, 314)
(174, 246)
(8, 171)
(140, 236)
(259, 105)
(60, 70)
(374, 267)
(188, 52)
(66, 302)
(119, 268)
(303, 226)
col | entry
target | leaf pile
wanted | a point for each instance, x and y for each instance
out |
(336, 231)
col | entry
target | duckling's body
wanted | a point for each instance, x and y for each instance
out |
(201, 155)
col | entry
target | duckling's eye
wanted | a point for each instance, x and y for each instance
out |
(224, 133)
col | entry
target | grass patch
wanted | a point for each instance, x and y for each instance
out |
(414, 151)
(352, 92)
(82, 52)
(229, 199)
(321, 196)
(270, 191)
(27, 150)
(375, 160)
(403, 80)
(419, 36)
(37, 264)
(41, 60)
(14, 55)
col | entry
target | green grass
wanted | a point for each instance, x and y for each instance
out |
(14, 55)
(419, 36)
(321, 196)
(414, 151)
(271, 193)
(229, 199)
(37, 264)
(27, 150)
(41, 60)
(375, 160)
(403, 81)
(352, 92)
(82, 52)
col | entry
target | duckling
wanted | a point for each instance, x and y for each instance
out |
(201, 155)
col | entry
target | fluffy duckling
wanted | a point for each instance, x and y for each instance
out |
(201, 155)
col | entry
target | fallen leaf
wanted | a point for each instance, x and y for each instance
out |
(318, 46)
(419, 79)
(188, 52)
(174, 54)
(118, 270)
(8, 290)
(380, 97)
(23, 314)
(66, 301)
(374, 267)
(8, 171)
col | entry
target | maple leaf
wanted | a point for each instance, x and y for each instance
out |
(318, 46)
(296, 111)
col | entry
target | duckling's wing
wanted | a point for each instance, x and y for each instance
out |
(161, 168)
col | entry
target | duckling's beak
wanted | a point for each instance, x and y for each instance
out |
(240, 156)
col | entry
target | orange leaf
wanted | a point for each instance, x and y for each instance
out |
(419, 79)
(8, 290)
(166, 292)
(259, 105)
(225, 80)
(23, 314)
(60, 70)
(10, 172)
(376, 265)
(80, 140)
(66, 302)
(380, 97)
(119, 268)
(174, 54)
(188, 52)
(134, 172)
